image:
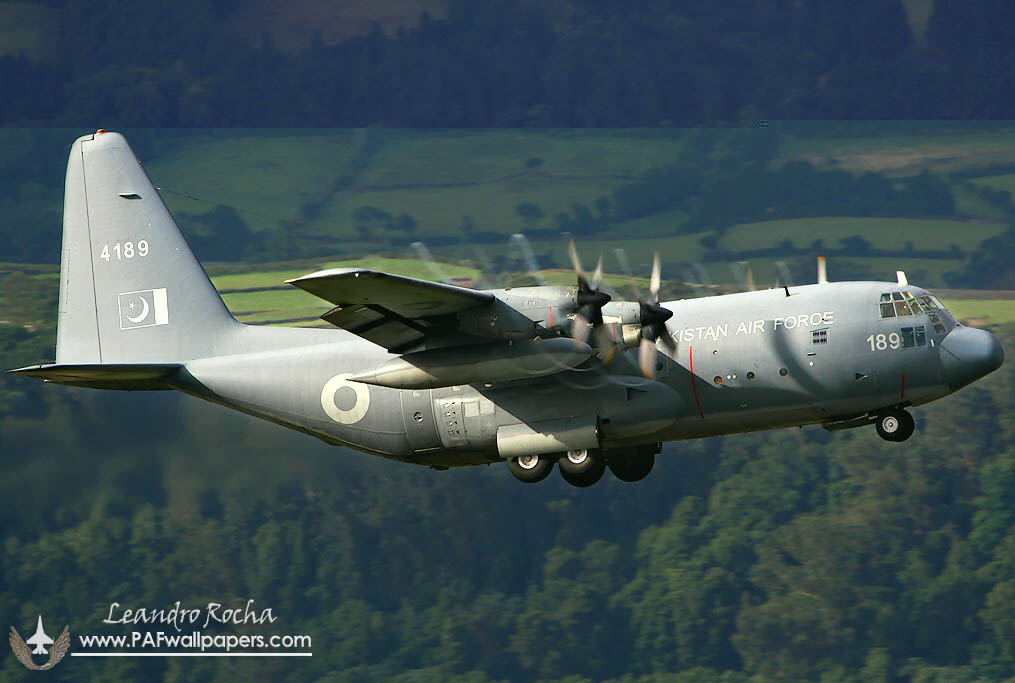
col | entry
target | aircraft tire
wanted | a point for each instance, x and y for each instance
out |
(530, 468)
(581, 461)
(631, 466)
(895, 425)
(587, 477)
(908, 426)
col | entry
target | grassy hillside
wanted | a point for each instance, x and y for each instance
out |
(885, 233)
(316, 181)
(943, 151)
(302, 194)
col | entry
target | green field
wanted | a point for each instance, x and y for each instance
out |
(969, 204)
(943, 152)
(982, 311)
(998, 182)
(882, 233)
(266, 178)
(306, 184)
(439, 177)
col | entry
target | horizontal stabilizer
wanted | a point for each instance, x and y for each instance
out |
(130, 376)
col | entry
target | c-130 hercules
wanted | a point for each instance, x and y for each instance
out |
(440, 375)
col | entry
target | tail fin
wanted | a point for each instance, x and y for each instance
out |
(131, 290)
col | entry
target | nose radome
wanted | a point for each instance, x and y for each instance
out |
(967, 354)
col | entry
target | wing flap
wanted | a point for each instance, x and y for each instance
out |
(377, 325)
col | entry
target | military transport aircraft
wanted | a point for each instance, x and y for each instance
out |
(441, 375)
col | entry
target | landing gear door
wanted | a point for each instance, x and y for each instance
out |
(418, 416)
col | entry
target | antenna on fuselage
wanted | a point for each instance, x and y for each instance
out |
(822, 271)
(900, 276)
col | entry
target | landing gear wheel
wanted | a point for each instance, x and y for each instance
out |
(583, 467)
(632, 466)
(908, 426)
(530, 468)
(895, 425)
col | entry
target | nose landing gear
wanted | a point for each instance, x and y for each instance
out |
(895, 425)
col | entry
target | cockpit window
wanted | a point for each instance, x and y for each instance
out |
(903, 304)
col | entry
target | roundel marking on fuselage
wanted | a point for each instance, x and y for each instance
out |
(350, 415)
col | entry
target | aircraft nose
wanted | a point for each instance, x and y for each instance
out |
(967, 354)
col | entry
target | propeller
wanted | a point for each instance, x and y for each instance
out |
(424, 255)
(528, 257)
(653, 319)
(589, 300)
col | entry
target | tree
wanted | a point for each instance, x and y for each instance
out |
(529, 212)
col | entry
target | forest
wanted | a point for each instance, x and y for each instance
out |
(563, 63)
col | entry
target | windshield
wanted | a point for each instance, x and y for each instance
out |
(904, 304)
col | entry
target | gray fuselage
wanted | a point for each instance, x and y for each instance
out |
(760, 360)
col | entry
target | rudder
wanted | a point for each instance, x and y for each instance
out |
(131, 290)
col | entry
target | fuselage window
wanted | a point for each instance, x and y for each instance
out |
(913, 337)
(902, 309)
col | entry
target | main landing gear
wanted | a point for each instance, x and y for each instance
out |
(584, 467)
(895, 425)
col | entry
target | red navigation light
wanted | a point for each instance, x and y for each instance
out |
(100, 131)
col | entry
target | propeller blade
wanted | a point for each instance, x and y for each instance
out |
(529, 257)
(625, 264)
(647, 357)
(654, 283)
(580, 330)
(572, 251)
(604, 342)
(583, 283)
(427, 258)
(625, 267)
(667, 339)
(488, 278)
(597, 276)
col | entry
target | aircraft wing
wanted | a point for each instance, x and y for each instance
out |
(392, 311)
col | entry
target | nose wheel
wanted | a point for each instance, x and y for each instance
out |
(895, 425)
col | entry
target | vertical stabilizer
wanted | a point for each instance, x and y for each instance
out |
(131, 291)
